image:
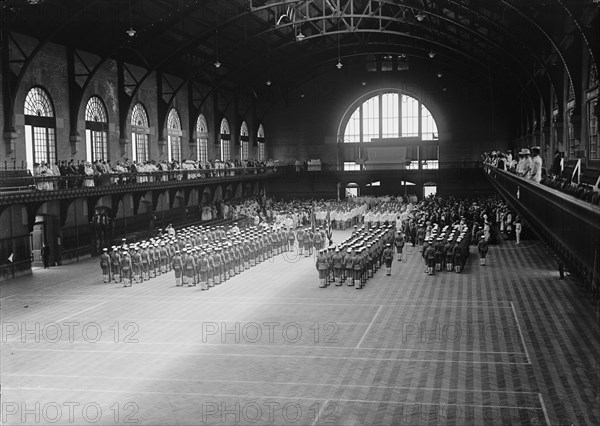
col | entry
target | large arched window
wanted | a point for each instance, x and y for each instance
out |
(174, 134)
(40, 128)
(260, 139)
(202, 139)
(390, 115)
(96, 130)
(225, 140)
(140, 133)
(244, 141)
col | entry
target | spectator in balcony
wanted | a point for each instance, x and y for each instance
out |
(557, 164)
(72, 172)
(164, 168)
(524, 164)
(501, 164)
(88, 171)
(37, 172)
(62, 169)
(56, 172)
(535, 172)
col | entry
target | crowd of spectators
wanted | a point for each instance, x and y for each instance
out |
(64, 175)
(528, 164)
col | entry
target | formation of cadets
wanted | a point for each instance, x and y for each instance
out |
(358, 258)
(442, 229)
(447, 248)
(204, 256)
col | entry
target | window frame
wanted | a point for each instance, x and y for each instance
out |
(96, 130)
(39, 117)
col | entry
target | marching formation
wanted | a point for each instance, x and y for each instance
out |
(358, 258)
(446, 249)
(204, 256)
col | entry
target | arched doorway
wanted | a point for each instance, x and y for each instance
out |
(205, 207)
(102, 228)
(429, 189)
(352, 190)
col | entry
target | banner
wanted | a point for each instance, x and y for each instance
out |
(329, 228)
(386, 157)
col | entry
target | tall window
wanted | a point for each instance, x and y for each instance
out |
(244, 141)
(40, 128)
(390, 115)
(140, 133)
(592, 112)
(174, 134)
(225, 140)
(410, 116)
(202, 139)
(96, 130)
(370, 119)
(260, 138)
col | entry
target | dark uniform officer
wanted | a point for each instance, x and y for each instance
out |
(105, 265)
(322, 267)
(387, 257)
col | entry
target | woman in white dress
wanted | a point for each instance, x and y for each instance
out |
(89, 174)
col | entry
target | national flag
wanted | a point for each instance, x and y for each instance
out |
(329, 228)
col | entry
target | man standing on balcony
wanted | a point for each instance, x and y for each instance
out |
(535, 172)
(524, 164)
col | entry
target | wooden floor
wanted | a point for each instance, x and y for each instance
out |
(507, 343)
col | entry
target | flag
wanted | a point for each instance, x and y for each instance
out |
(329, 228)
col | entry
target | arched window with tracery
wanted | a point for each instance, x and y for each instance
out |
(572, 143)
(96, 130)
(225, 140)
(244, 141)
(40, 128)
(385, 116)
(260, 140)
(592, 112)
(174, 134)
(140, 133)
(202, 139)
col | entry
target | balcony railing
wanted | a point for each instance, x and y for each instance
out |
(25, 182)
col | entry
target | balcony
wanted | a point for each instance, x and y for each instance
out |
(569, 225)
(18, 187)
